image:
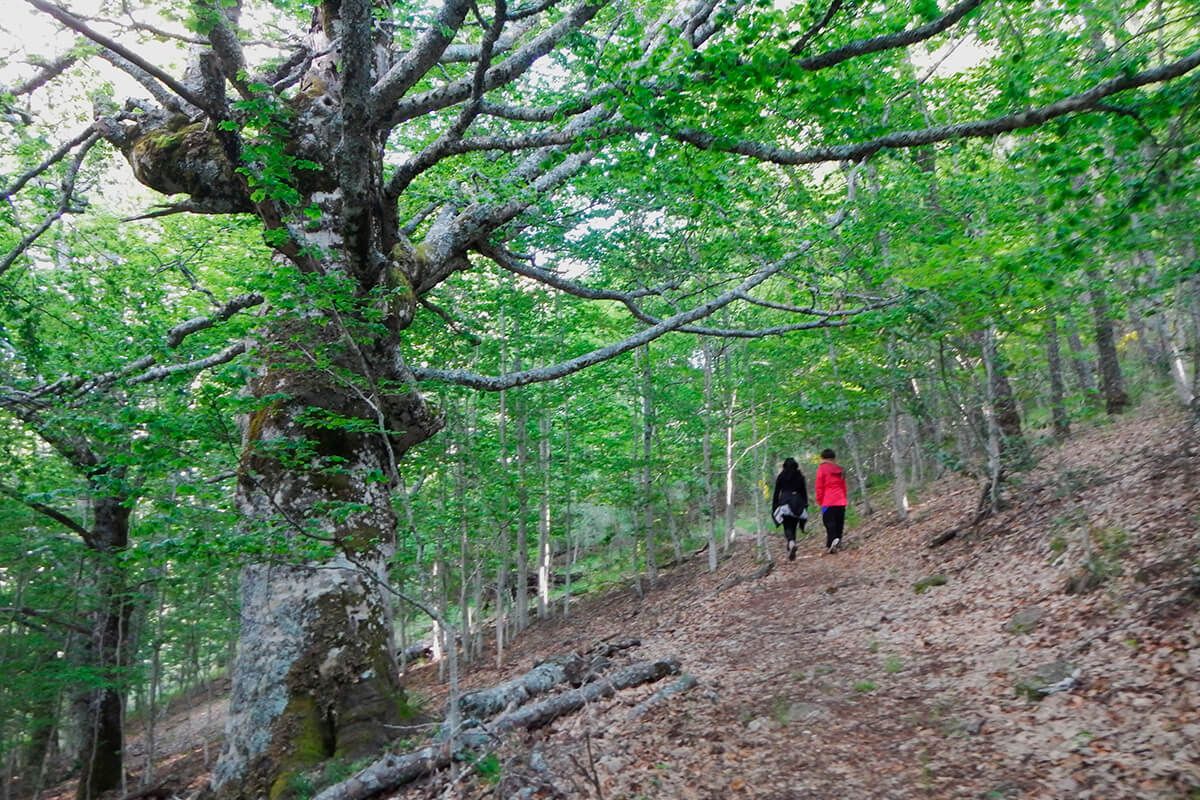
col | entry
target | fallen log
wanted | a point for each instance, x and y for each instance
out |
(944, 537)
(389, 772)
(486, 703)
(573, 669)
(545, 712)
(393, 770)
(680, 686)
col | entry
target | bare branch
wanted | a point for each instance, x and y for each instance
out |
(68, 191)
(817, 28)
(452, 323)
(541, 374)
(513, 264)
(1089, 100)
(442, 146)
(184, 329)
(78, 25)
(48, 73)
(505, 72)
(25, 615)
(459, 53)
(165, 371)
(51, 160)
(151, 84)
(886, 42)
(47, 511)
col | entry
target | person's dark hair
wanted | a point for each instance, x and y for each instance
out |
(790, 464)
(828, 453)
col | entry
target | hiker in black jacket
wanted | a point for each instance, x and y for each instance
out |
(789, 505)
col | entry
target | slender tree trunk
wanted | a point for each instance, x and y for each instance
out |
(522, 554)
(730, 472)
(995, 435)
(760, 487)
(504, 534)
(1112, 383)
(896, 450)
(568, 523)
(850, 435)
(1058, 407)
(544, 552)
(1081, 364)
(710, 503)
(647, 460)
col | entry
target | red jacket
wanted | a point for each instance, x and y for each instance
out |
(831, 484)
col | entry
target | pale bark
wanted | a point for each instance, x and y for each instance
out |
(544, 551)
(710, 503)
(521, 622)
(995, 435)
(730, 463)
(647, 455)
(396, 770)
(896, 452)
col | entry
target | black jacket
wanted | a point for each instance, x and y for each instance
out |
(790, 488)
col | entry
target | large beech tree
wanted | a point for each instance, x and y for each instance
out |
(388, 146)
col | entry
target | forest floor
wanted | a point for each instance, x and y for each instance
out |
(833, 676)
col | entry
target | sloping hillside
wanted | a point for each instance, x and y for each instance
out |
(897, 670)
(834, 677)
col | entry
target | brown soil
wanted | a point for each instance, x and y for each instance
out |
(831, 677)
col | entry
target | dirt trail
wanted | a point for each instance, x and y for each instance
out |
(832, 677)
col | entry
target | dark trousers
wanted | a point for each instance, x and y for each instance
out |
(834, 519)
(789, 527)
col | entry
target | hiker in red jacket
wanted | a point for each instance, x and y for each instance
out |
(831, 497)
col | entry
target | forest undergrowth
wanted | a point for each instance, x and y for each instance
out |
(1051, 651)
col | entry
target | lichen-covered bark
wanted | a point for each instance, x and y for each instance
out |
(315, 675)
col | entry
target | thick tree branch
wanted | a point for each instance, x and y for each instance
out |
(542, 374)
(1089, 100)
(47, 511)
(229, 52)
(886, 42)
(507, 71)
(421, 58)
(77, 25)
(467, 53)
(442, 147)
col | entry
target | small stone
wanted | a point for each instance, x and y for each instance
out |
(1057, 676)
(1025, 620)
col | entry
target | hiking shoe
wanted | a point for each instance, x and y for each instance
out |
(791, 551)
(833, 547)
